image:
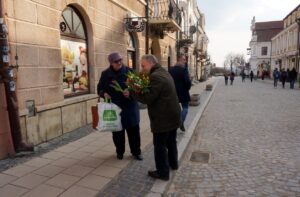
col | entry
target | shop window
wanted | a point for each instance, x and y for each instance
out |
(74, 53)
(131, 52)
(264, 51)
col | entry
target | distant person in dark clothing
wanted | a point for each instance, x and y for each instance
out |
(276, 76)
(288, 75)
(251, 76)
(183, 84)
(262, 75)
(293, 78)
(231, 77)
(243, 76)
(283, 77)
(226, 78)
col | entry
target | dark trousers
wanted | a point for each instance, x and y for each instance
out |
(134, 139)
(226, 81)
(165, 152)
(275, 82)
(283, 82)
(292, 82)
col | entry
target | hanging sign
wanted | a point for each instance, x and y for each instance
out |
(135, 24)
(5, 58)
(5, 50)
(10, 72)
(12, 86)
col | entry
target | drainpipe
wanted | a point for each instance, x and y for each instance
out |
(147, 27)
(270, 71)
(6, 73)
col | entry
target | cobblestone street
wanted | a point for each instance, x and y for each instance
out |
(252, 132)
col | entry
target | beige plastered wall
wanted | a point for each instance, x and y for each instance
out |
(34, 35)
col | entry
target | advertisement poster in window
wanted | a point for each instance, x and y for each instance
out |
(75, 72)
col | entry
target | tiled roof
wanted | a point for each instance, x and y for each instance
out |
(268, 25)
(266, 30)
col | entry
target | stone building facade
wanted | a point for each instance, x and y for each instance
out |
(284, 44)
(260, 45)
(59, 41)
(192, 40)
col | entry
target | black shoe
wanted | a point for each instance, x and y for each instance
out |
(138, 157)
(174, 167)
(120, 156)
(182, 127)
(155, 175)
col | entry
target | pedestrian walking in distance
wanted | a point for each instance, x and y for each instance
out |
(232, 78)
(293, 77)
(130, 115)
(251, 76)
(164, 114)
(226, 78)
(183, 85)
(276, 76)
(283, 75)
(243, 76)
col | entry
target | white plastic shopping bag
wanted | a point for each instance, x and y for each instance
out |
(109, 116)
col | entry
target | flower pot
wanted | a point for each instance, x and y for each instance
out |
(208, 87)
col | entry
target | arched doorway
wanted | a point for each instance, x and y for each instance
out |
(74, 53)
(155, 49)
(131, 52)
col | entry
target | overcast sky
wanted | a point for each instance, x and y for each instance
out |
(228, 22)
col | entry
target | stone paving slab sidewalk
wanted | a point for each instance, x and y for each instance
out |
(134, 181)
(80, 168)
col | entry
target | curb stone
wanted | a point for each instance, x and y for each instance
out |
(159, 187)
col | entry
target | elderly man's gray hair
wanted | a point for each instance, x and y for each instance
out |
(150, 58)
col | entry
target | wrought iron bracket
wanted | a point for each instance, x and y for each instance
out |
(135, 24)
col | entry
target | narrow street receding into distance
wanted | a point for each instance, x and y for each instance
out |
(252, 131)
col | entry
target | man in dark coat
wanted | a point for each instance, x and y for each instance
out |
(293, 77)
(183, 84)
(276, 76)
(130, 115)
(231, 77)
(164, 114)
(283, 76)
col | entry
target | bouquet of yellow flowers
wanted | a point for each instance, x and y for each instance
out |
(138, 82)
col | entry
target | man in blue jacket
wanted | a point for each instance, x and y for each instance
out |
(183, 84)
(130, 115)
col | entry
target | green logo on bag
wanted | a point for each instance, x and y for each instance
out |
(109, 115)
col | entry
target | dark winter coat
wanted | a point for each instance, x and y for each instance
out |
(130, 115)
(232, 76)
(293, 74)
(163, 106)
(283, 75)
(182, 82)
(276, 74)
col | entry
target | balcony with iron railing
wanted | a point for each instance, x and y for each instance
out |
(165, 15)
(186, 37)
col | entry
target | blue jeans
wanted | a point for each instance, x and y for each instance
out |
(292, 82)
(185, 110)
